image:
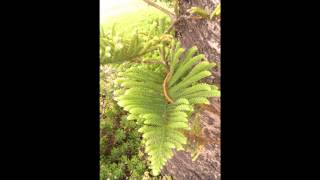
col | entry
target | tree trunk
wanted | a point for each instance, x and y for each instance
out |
(205, 34)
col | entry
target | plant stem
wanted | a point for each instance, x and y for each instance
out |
(165, 87)
(148, 62)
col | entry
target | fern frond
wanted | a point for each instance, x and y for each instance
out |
(200, 67)
(177, 114)
(201, 94)
(199, 100)
(149, 85)
(188, 82)
(142, 77)
(189, 54)
(181, 101)
(146, 72)
(175, 59)
(184, 68)
(163, 122)
(190, 90)
(132, 117)
(116, 50)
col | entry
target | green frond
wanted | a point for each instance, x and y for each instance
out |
(177, 114)
(177, 137)
(150, 85)
(178, 46)
(175, 59)
(137, 108)
(132, 117)
(172, 50)
(155, 122)
(182, 107)
(144, 110)
(199, 100)
(143, 90)
(189, 81)
(141, 77)
(178, 125)
(210, 93)
(117, 50)
(150, 99)
(190, 53)
(190, 90)
(184, 68)
(163, 122)
(152, 116)
(181, 101)
(200, 67)
(146, 72)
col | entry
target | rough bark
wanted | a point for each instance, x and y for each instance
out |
(205, 34)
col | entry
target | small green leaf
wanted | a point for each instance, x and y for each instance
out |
(216, 12)
(198, 11)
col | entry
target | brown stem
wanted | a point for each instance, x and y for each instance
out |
(148, 62)
(165, 89)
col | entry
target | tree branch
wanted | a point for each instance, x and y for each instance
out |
(176, 21)
(155, 5)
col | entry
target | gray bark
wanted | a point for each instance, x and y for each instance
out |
(205, 34)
